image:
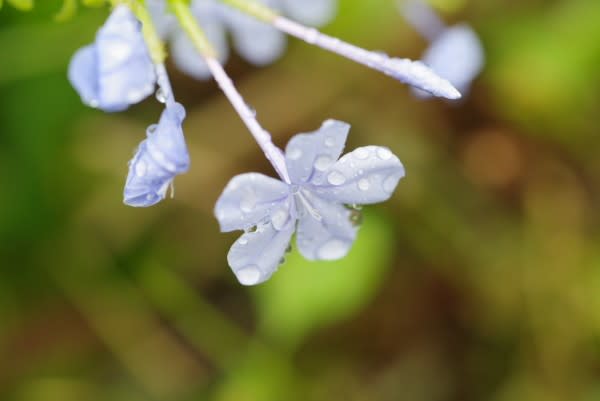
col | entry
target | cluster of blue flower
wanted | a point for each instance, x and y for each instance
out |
(317, 188)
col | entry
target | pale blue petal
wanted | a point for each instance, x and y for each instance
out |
(166, 142)
(125, 71)
(325, 231)
(164, 22)
(367, 175)
(147, 182)
(310, 12)
(159, 158)
(83, 74)
(308, 156)
(248, 199)
(456, 55)
(115, 71)
(185, 55)
(256, 41)
(255, 256)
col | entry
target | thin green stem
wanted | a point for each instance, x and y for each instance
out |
(155, 45)
(254, 8)
(188, 23)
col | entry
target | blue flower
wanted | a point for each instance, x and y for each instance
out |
(312, 204)
(456, 55)
(257, 42)
(116, 70)
(159, 158)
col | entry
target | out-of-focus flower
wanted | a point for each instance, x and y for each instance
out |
(159, 158)
(313, 203)
(116, 70)
(457, 55)
(257, 42)
(455, 52)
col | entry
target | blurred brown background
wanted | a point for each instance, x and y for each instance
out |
(478, 280)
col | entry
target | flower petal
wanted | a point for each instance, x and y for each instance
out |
(308, 156)
(325, 231)
(147, 181)
(311, 12)
(186, 56)
(257, 42)
(255, 256)
(249, 199)
(166, 142)
(159, 158)
(83, 74)
(125, 71)
(164, 22)
(456, 55)
(366, 175)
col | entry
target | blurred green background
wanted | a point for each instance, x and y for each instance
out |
(478, 280)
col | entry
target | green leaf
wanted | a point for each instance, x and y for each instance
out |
(304, 295)
(68, 10)
(23, 5)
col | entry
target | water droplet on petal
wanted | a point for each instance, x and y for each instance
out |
(295, 154)
(249, 275)
(243, 241)
(140, 169)
(384, 153)
(336, 178)
(247, 204)
(279, 219)
(361, 153)
(161, 96)
(332, 250)
(390, 183)
(323, 162)
(94, 103)
(364, 184)
(329, 142)
(152, 129)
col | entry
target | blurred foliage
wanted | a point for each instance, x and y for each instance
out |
(479, 280)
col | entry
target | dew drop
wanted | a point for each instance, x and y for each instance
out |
(279, 219)
(247, 204)
(152, 129)
(390, 184)
(323, 162)
(161, 96)
(332, 250)
(94, 103)
(336, 178)
(140, 169)
(361, 153)
(282, 260)
(249, 275)
(329, 142)
(243, 241)
(295, 154)
(364, 184)
(289, 248)
(384, 153)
